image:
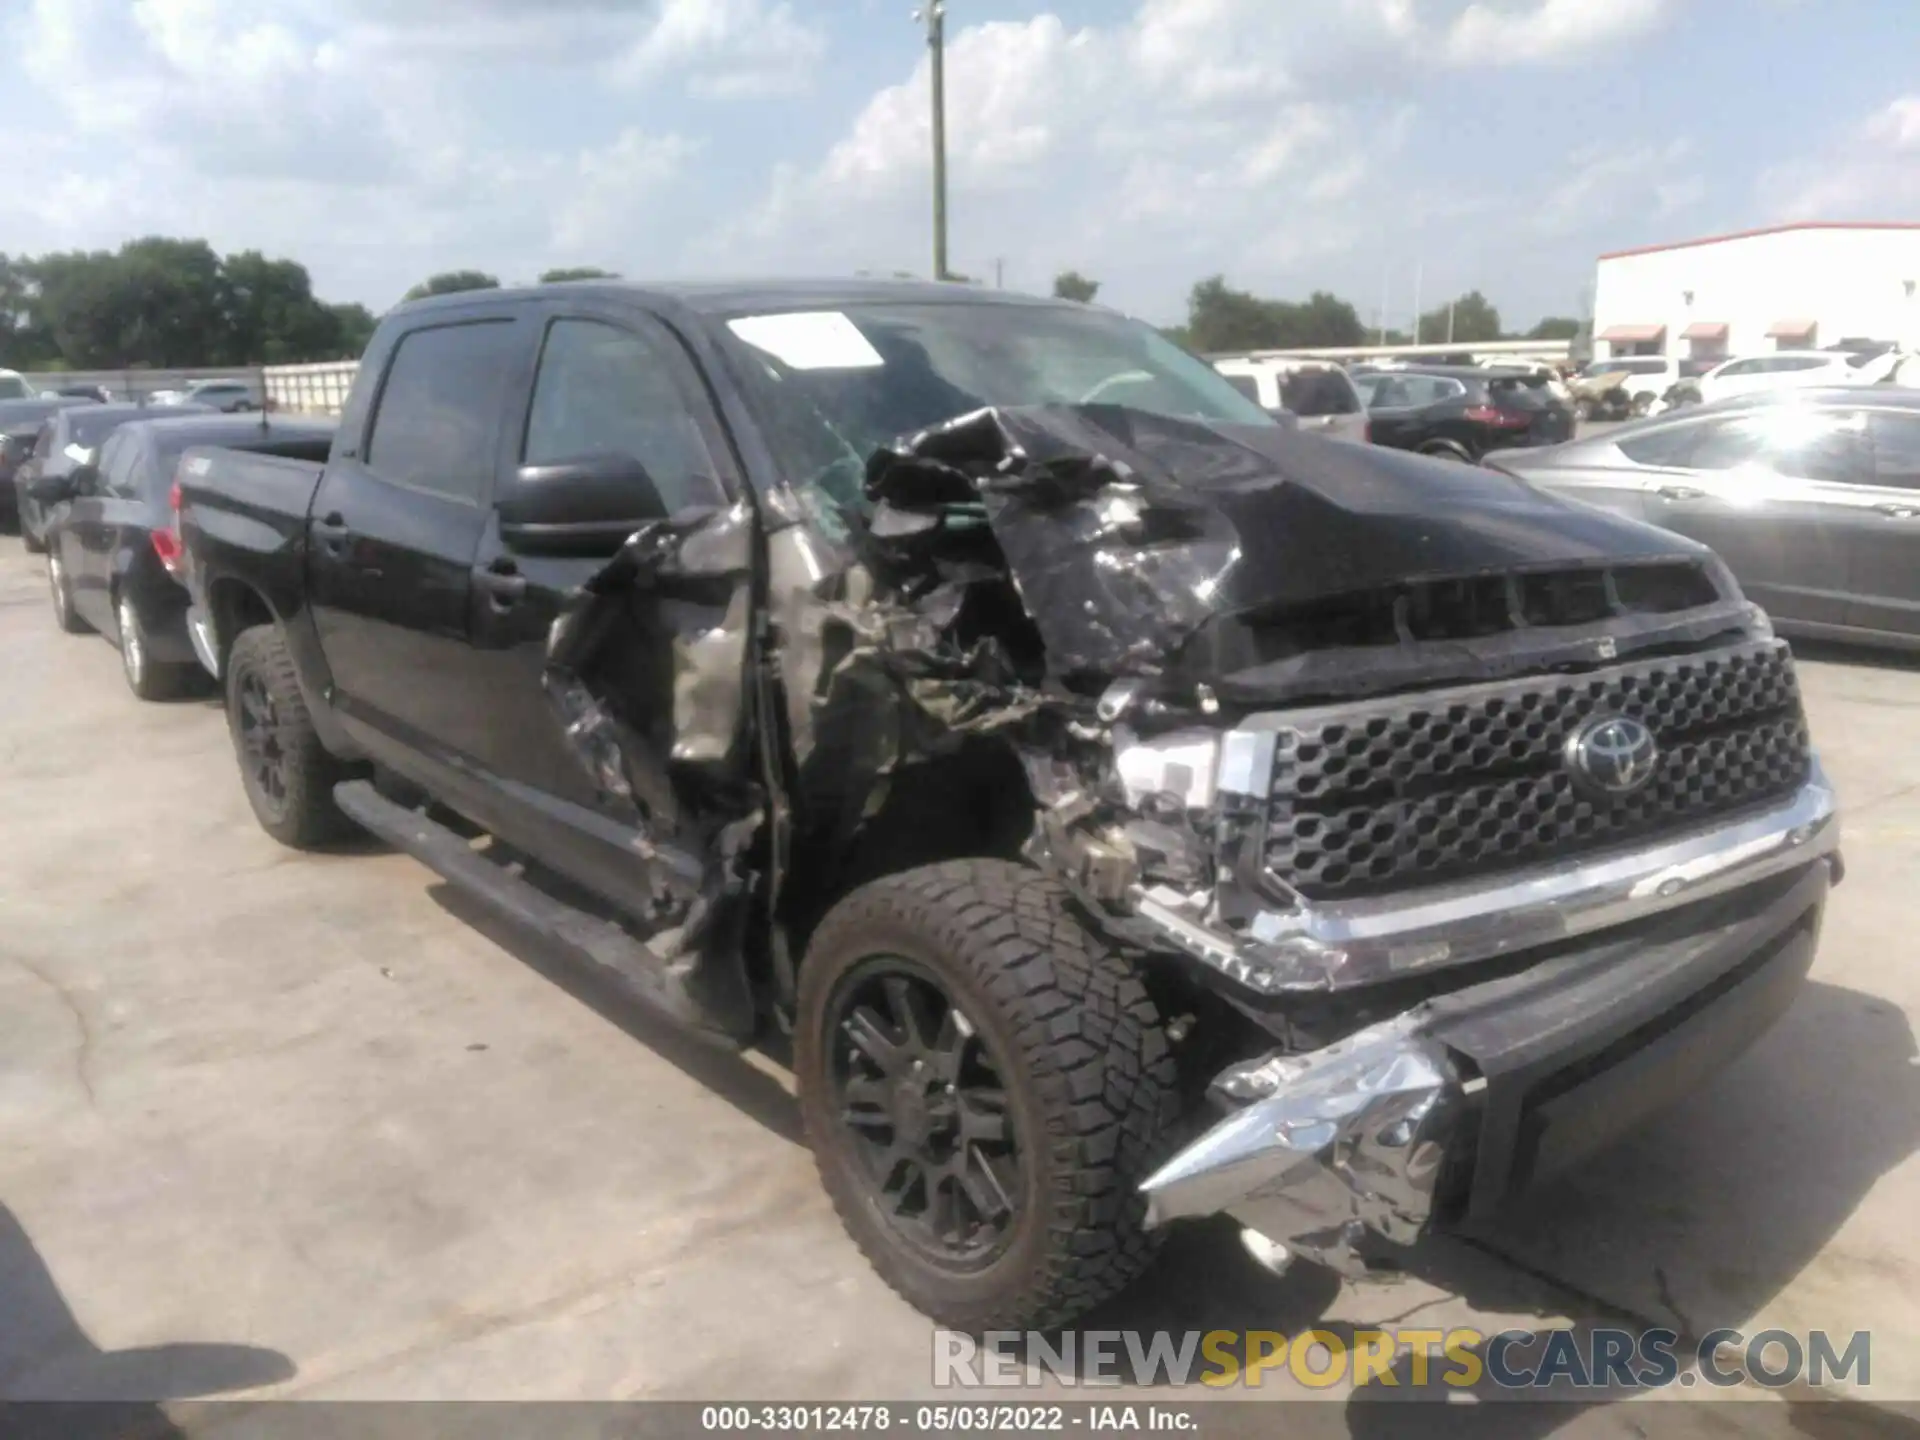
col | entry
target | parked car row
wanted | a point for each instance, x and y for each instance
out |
(1812, 498)
(1133, 807)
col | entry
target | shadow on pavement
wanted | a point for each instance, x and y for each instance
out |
(755, 1093)
(46, 1357)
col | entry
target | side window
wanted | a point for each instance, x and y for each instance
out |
(1315, 392)
(1896, 449)
(1673, 445)
(1798, 362)
(602, 390)
(1739, 368)
(439, 409)
(119, 465)
(1824, 445)
(1246, 385)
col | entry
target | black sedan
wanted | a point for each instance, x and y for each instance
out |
(1812, 498)
(112, 546)
(20, 422)
(68, 438)
(1460, 412)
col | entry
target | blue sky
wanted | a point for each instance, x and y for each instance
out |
(1293, 145)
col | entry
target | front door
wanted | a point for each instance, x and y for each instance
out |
(391, 538)
(666, 671)
(1770, 492)
(1886, 576)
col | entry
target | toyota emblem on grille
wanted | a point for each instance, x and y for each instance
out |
(1614, 755)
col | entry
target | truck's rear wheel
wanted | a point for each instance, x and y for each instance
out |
(984, 1084)
(288, 774)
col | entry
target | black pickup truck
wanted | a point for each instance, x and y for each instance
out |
(1132, 807)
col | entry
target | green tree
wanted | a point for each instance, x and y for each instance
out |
(575, 272)
(1072, 285)
(1473, 318)
(450, 282)
(353, 326)
(1222, 318)
(1555, 327)
(272, 315)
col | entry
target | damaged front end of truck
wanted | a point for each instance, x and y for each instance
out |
(1383, 769)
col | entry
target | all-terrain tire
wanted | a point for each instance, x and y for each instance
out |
(297, 807)
(1084, 1057)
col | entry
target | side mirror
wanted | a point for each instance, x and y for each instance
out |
(1283, 415)
(587, 505)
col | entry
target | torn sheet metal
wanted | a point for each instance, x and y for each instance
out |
(1328, 1145)
(652, 697)
(1127, 533)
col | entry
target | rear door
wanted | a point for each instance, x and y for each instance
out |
(393, 530)
(85, 526)
(1886, 577)
(1776, 493)
(668, 671)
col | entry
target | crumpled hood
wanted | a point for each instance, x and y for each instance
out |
(1126, 531)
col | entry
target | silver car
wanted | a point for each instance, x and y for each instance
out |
(1812, 498)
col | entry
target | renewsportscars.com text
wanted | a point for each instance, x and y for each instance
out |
(1461, 1357)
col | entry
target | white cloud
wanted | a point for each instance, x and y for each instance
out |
(1873, 173)
(1546, 31)
(1185, 135)
(362, 136)
(1180, 137)
(1605, 179)
(727, 47)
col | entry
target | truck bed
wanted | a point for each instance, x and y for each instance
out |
(243, 515)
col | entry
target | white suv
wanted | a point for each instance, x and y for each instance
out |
(1649, 377)
(1779, 371)
(1319, 392)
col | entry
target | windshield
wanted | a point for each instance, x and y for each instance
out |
(12, 387)
(834, 386)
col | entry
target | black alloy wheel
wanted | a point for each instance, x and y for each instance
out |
(258, 732)
(924, 1110)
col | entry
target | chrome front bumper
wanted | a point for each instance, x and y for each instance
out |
(1354, 1137)
(1326, 946)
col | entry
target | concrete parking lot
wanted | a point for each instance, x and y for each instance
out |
(286, 1125)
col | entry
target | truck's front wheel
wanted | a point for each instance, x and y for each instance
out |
(288, 774)
(984, 1085)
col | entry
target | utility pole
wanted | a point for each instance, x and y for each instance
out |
(999, 274)
(1450, 322)
(934, 15)
(1419, 274)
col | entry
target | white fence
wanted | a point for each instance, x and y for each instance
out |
(310, 389)
(304, 389)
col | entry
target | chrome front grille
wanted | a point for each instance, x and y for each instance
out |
(1396, 793)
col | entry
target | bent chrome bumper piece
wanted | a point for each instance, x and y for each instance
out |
(1354, 1136)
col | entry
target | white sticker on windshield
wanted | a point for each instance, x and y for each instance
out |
(809, 340)
(78, 453)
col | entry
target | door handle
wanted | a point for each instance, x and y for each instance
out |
(502, 582)
(1899, 510)
(1679, 492)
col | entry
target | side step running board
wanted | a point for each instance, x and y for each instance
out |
(598, 945)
